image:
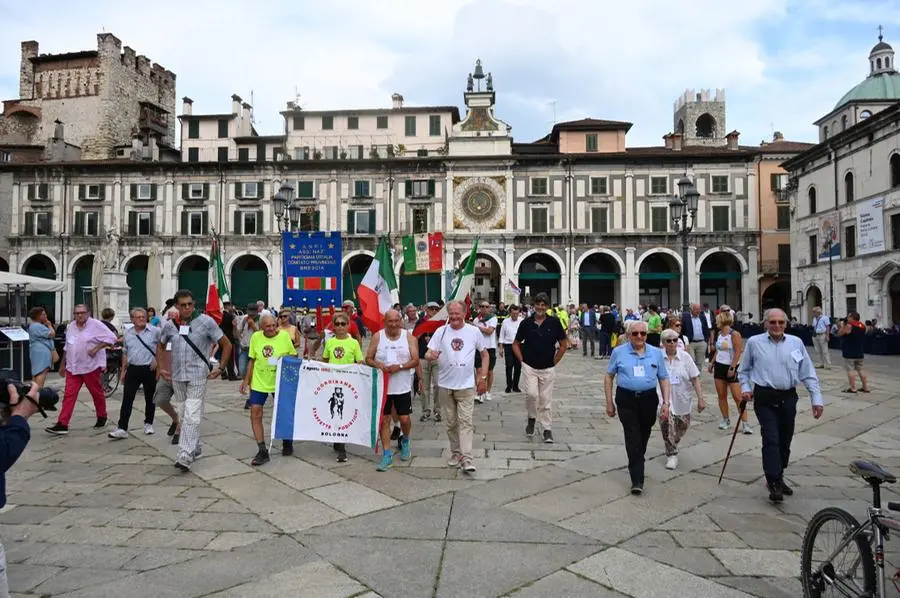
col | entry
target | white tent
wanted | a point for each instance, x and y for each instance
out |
(32, 284)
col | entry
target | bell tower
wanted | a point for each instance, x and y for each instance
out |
(480, 132)
(700, 117)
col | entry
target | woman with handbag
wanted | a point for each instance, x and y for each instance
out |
(41, 351)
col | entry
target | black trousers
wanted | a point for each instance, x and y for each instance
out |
(135, 377)
(637, 412)
(653, 338)
(513, 367)
(776, 411)
(588, 335)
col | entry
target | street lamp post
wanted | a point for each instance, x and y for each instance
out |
(287, 212)
(684, 211)
(829, 231)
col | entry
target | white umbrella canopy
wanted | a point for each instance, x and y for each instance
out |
(98, 296)
(154, 280)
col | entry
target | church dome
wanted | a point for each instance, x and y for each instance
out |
(881, 46)
(883, 82)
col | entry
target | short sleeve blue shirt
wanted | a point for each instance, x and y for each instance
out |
(637, 373)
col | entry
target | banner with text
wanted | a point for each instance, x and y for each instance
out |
(871, 227)
(829, 231)
(312, 269)
(324, 402)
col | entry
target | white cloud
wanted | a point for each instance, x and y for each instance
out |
(599, 59)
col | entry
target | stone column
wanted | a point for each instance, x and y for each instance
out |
(448, 201)
(170, 218)
(628, 206)
(750, 282)
(693, 275)
(276, 283)
(630, 282)
(169, 277)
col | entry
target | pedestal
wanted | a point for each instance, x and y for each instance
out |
(115, 295)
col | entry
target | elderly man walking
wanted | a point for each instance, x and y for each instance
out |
(637, 367)
(138, 369)
(589, 331)
(192, 337)
(695, 328)
(428, 388)
(821, 335)
(85, 356)
(454, 346)
(772, 366)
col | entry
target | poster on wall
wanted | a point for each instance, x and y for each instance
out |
(829, 225)
(870, 238)
(312, 268)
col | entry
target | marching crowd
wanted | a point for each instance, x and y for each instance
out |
(653, 364)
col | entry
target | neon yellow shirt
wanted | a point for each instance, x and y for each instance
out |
(342, 351)
(654, 324)
(264, 352)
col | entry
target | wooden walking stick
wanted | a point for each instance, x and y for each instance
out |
(741, 408)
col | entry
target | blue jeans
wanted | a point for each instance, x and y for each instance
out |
(243, 360)
(776, 412)
(603, 339)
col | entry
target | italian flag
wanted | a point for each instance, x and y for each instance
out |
(422, 253)
(461, 291)
(218, 288)
(311, 283)
(375, 289)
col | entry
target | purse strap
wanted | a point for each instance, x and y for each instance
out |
(146, 346)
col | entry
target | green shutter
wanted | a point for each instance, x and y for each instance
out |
(350, 222)
(102, 193)
(431, 185)
(184, 223)
(205, 190)
(82, 191)
(260, 190)
(259, 222)
(43, 190)
(773, 181)
(132, 223)
(153, 191)
(79, 223)
(204, 226)
(409, 188)
(371, 222)
(29, 223)
(237, 222)
(185, 190)
(132, 192)
(29, 191)
(50, 222)
(237, 190)
(316, 220)
(153, 223)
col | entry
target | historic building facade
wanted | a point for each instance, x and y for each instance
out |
(845, 202)
(577, 214)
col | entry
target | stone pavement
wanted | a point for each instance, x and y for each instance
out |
(92, 517)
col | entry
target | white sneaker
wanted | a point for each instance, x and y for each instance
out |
(118, 434)
(724, 424)
(148, 428)
(746, 429)
(468, 466)
(672, 462)
(479, 398)
(455, 461)
(487, 396)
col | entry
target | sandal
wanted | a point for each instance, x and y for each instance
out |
(865, 390)
(849, 390)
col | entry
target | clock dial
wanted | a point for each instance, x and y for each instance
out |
(479, 203)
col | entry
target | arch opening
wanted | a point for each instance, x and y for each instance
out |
(41, 266)
(599, 280)
(720, 280)
(353, 272)
(136, 272)
(706, 126)
(82, 290)
(659, 281)
(813, 299)
(540, 273)
(249, 281)
(193, 276)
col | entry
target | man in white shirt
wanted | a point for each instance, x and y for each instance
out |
(821, 336)
(508, 331)
(486, 322)
(454, 346)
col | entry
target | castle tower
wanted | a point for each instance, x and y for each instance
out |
(700, 117)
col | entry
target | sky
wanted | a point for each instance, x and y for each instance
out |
(783, 63)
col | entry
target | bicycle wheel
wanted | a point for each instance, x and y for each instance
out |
(110, 379)
(850, 572)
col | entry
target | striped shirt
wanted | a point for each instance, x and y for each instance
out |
(187, 366)
(136, 352)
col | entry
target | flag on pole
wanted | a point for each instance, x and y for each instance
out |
(514, 288)
(218, 288)
(375, 289)
(461, 291)
(423, 253)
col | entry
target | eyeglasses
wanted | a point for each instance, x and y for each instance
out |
(191, 304)
(777, 322)
(638, 333)
(81, 313)
(284, 316)
(341, 324)
(671, 341)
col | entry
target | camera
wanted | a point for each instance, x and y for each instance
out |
(47, 397)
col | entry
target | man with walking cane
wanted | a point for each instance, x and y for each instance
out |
(772, 366)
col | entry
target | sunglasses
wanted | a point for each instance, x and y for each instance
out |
(639, 333)
(677, 325)
(671, 341)
(191, 304)
(778, 322)
(341, 324)
(284, 316)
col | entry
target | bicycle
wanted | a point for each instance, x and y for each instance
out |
(859, 574)
(110, 375)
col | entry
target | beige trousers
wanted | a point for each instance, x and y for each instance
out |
(457, 407)
(538, 393)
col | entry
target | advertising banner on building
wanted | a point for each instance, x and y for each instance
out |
(312, 268)
(870, 238)
(829, 230)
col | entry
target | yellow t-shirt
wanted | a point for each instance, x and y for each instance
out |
(264, 352)
(342, 351)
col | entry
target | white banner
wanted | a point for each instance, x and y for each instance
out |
(870, 238)
(328, 403)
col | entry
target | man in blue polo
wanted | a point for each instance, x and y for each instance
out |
(637, 367)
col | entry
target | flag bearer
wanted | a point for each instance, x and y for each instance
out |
(342, 349)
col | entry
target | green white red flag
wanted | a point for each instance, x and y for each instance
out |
(375, 290)
(423, 253)
(461, 291)
(218, 287)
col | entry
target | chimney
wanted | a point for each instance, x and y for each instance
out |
(677, 141)
(396, 101)
(667, 138)
(26, 70)
(236, 104)
(777, 136)
(246, 118)
(58, 130)
(733, 140)
(187, 106)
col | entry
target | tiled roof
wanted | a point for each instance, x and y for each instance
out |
(785, 147)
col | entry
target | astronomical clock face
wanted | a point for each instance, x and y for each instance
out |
(479, 203)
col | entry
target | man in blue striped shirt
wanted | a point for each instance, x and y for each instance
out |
(772, 366)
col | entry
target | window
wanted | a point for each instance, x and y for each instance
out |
(93, 192)
(659, 185)
(419, 221)
(327, 123)
(37, 223)
(410, 126)
(222, 155)
(331, 152)
(813, 249)
(721, 218)
(361, 189)
(143, 191)
(193, 154)
(193, 129)
(309, 220)
(864, 114)
(306, 190)
(598, 185)
(194, 223)
(420, 189)
(851, 302)
(895, 231)
(434, 125)
(5, 156)
(301, 153)
(539, 221)
(357, 152)
(299, 123)
(223, 128)
(784, 258)
(87, 224)
(243, 154)
(140, 224)
(422, 153)
(720, 183)
(249, 191)
(659, 219)
(381, 122)
(850, 241)
(848, 187)
(38, 192)
(249, 223)
(352, 122)
(599, 223)
(194, 191)
(844, 123)
(539, 186)
(590, 142)
(784, 218)
(811, 195)
(895, 170)
(478, 281)
(361, 222)
(778, 181)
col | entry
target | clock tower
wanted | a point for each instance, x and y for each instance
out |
(480, 133)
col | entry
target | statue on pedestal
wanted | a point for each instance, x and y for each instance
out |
(111, 248)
